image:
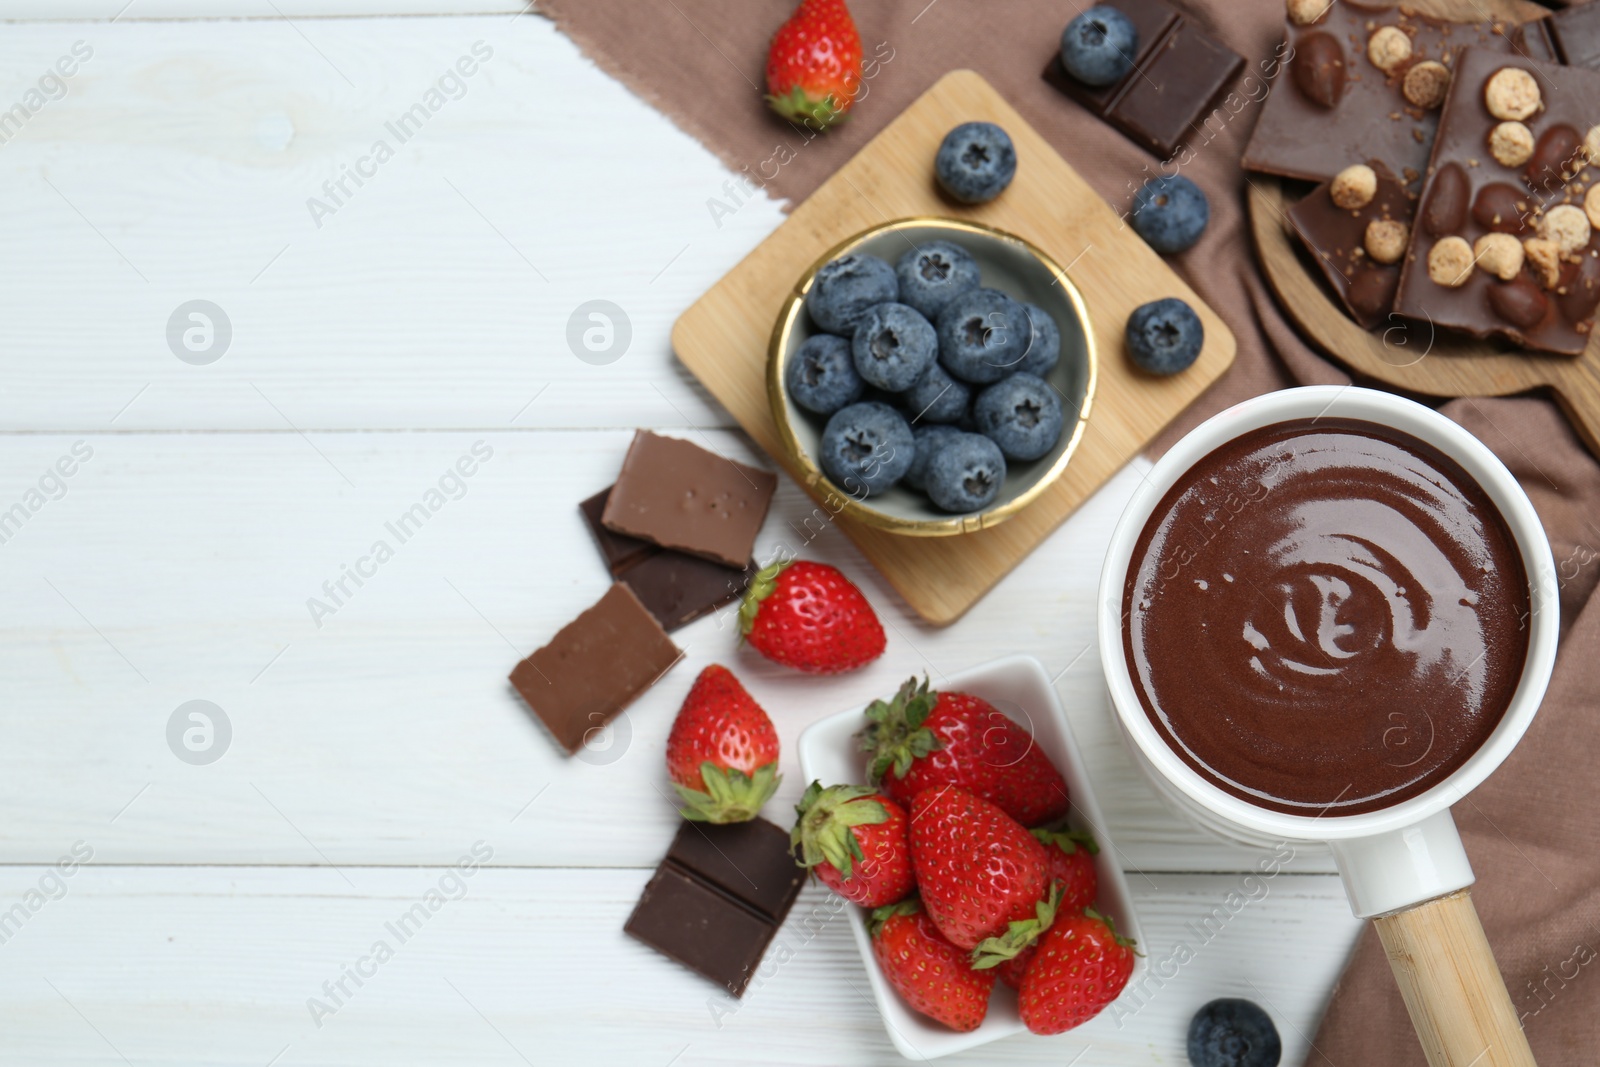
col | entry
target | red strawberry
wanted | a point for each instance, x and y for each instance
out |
(1011, 971)
(855, 841)
(923, 740)
(722, 753)
(1072, 854)
(931, 974)
(814, 64)
(808, 616)
(978, 870)
(1081, 966)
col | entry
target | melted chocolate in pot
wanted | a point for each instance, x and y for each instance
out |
(1325, 616)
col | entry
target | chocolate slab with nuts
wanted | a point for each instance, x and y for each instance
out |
(680, 496)
(1179, 71)
(595, 667)
(1333, 106)
(1503, 244)
(718, 898)
(675, 587)
(1350, 243)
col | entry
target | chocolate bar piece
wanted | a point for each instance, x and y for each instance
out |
(595, 667)
(1178, 73)
(1338, 239)
(718, 897)
(680, 496)
(1575, 33)
(675, 587)
(1333, 106)
(1535, 41)
(1503, 243)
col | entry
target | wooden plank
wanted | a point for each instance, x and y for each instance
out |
(178, 567)
(723, 337)
(179, 165)
(216, 966)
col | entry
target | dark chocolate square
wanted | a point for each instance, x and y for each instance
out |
(748, 860)
(1536, 41)
(617, 550)
(1576, 31)
(1151, 20)
(595, 666)
(681, 496)
(678, 588)
(1167, 99)
(700, 927)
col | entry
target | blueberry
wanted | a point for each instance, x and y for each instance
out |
(983, 336)
(1165, 336)
(1098, 46)
(929, 439)
(936, 397)
(934, 274)
(846, 287)
(965, 473)
(1021, 414)
(893, 346)
(821, 375)
(1044, 349)
(1233, 1033)
(866, 448)
(976, 162)
(1170, 213)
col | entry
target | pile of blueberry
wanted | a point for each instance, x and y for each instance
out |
(925, 377)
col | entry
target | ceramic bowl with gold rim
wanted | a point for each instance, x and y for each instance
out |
(1007, 263)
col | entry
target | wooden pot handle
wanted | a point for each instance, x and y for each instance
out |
(1451, 985)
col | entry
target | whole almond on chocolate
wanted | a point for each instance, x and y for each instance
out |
(1502, 208)
(1582, 293)
(1554, 156)
(1372, 290)
(1446, 208)
(1318, 68)
(1519, 302)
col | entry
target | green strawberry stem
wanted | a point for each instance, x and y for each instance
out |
(1111, 924)
(797, 105)
(895, 734)
(1067, 841)
(993, 951)
(823, 831)
(730, 795)
(761, 587)
(909, 906)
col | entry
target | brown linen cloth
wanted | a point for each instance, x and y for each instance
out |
(1533, 830)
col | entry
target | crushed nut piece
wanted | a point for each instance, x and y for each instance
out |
(1545, 258)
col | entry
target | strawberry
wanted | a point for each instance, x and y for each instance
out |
(855, 841)
(1010, 971)
(814, 64)
(978, 870)
(921, 740)
(931, 974)
(808, 616)
(722, 753)
(1072, 854)
(1081, 965)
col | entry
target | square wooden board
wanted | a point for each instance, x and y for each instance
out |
(723, 336)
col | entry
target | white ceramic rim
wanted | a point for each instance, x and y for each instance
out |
(1387, 409)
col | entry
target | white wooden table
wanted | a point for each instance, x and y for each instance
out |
(208, 501)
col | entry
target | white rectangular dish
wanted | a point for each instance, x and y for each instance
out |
(1020, 689)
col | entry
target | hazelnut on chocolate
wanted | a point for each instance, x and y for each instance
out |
(1545, 259)
(1511, 143)
(1450, 261)
(1511, 93)
(1591, 205)
(1305, 12)
(1354, 187)
(1566, 226)
(1500, 254)
(1591, 144)
(1388, 47)
(1425, 84)
(1385, 240)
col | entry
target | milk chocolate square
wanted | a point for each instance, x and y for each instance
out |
(595, 667)
(681, 496)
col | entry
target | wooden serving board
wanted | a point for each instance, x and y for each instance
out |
(1414, 355)
(723, 337)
